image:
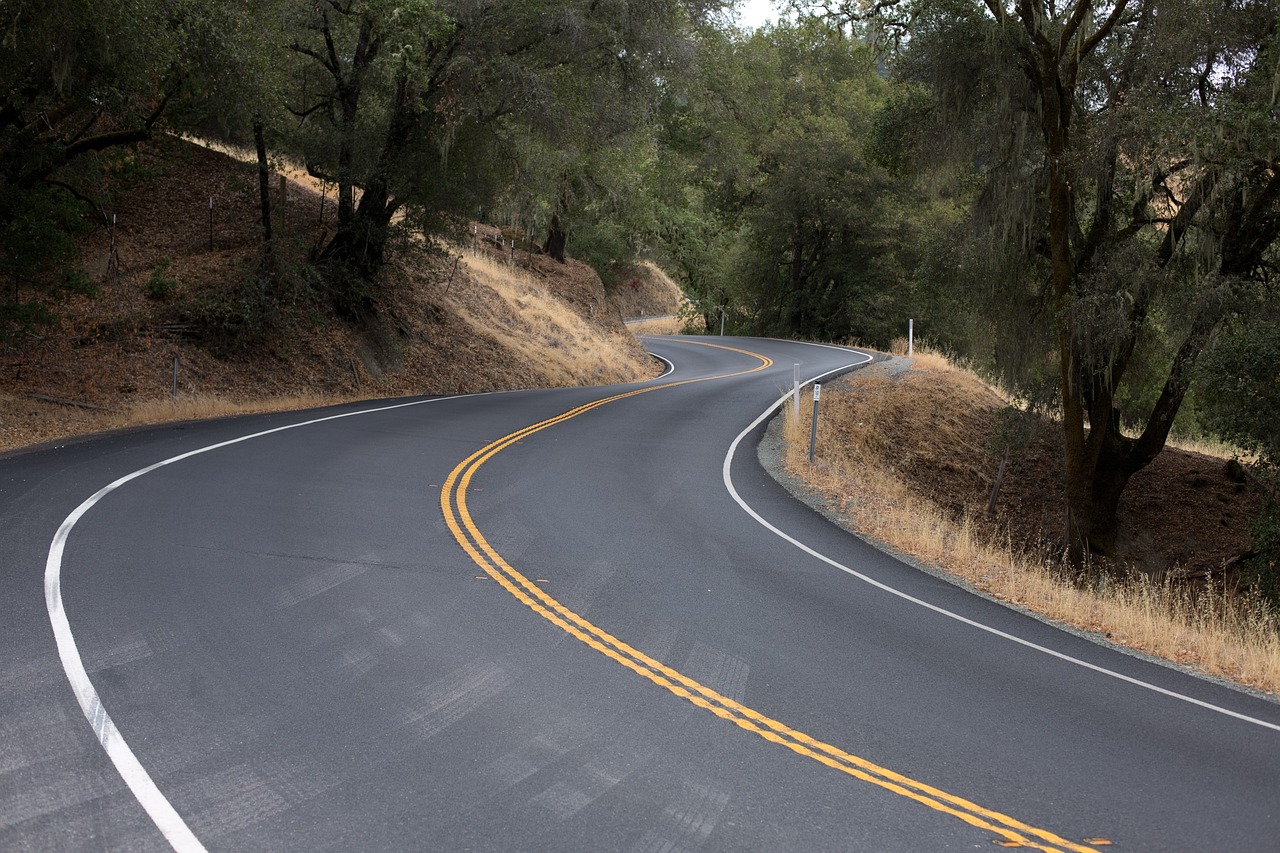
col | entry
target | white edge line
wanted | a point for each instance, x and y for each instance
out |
(671, 368)
(733, 492)
(144, 788)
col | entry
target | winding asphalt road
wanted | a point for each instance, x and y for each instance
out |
(582, 619)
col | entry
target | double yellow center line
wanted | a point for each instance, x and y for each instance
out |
(453, 503)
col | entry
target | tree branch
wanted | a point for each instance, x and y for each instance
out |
(102, 214)
(297, 47)
(1160, 422)
(120, 137)
(303, 115)
(1076, 18)
(1105, 30)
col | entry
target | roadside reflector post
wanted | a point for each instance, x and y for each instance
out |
(795, 394)
(813, 431)
(911, 338)
(175, 378)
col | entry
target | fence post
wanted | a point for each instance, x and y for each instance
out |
(813, 432)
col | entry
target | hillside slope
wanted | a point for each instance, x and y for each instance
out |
(176, 281)
(940, 432)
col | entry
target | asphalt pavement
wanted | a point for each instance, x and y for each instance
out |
(579, 619)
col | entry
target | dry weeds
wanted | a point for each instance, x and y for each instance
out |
(206, 406)
(518, 313)
(647, 291)
(658, 326)
(1219, 633)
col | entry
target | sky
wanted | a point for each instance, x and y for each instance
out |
(753, 13)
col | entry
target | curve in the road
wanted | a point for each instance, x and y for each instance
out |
(139, 781)
(942, 611)
(464, 528)
(453, 503)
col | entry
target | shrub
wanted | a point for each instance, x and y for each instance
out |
(161, 286)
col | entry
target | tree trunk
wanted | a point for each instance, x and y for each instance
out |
(556, 239)
(1098, 525)
(363, 230)
(264, 183)
(360, 242)
(1077, 461)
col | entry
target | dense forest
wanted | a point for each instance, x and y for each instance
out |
(1082, 199)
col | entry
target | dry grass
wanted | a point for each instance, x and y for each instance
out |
(658, 326)
(646, 291)
(519, 314)
(204, 406)
(1219, 634)
(923, 355)
(1209, 446)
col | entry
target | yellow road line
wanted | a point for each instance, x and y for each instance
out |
(453, 504)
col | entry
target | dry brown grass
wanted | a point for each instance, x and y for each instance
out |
(1219, 634)
(646, 291)
(925, 356)
(658, 326)
(1209, 446)
(204, 406)
(519, 314)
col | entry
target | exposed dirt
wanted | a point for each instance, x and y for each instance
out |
(948, 433)
(171, 262)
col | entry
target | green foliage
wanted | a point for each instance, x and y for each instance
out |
(161, 286)
(1262, 570)
(19, 320)
(1243, 368)
(38, 226)
(76, 282)
(780, 215)
(85, 77)
(898, 141)
(273, 300)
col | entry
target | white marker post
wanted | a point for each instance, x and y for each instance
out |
(813, 432)
(795, 392)
(911, 337)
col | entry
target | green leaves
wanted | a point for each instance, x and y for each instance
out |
(775, 130)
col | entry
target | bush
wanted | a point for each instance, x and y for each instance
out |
(280, 291)
(1262, 571)
(160, 286)
(21, 319)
